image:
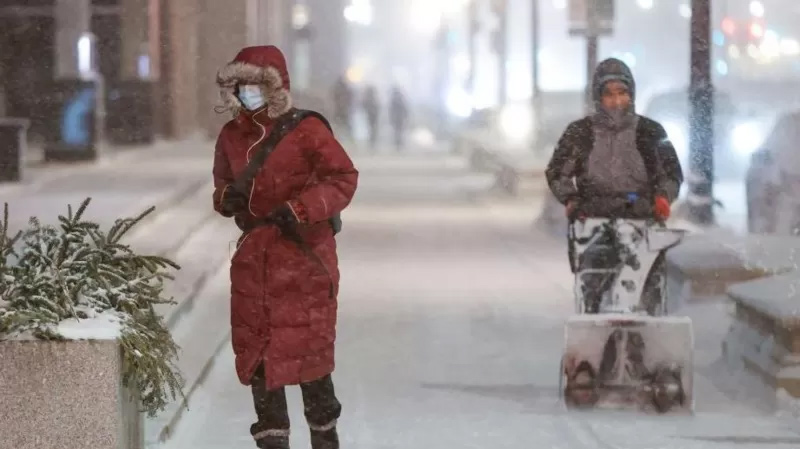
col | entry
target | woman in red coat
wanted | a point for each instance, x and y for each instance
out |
(283, 292)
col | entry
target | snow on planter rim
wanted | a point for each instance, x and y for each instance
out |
(104, 326)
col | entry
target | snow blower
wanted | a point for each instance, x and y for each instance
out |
(622, 350)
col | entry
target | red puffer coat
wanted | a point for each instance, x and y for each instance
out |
(282, 309)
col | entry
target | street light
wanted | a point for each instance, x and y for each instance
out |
(359, 11)
(645, 4)
(757, 8)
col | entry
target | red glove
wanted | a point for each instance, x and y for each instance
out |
(661, 208)
(571, 206)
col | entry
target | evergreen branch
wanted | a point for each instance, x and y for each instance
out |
(76, 270)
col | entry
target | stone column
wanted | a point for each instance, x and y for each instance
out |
(328, 49)
(72, 21)
(135, 18)
(223, 31)
(268, 23)
(183, 33)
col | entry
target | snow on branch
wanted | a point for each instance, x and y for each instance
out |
(75, 281)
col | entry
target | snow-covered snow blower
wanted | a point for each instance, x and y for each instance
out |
(622, 350)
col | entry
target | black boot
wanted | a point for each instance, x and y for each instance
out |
(322, 410)
(271, 431)
(328, 439)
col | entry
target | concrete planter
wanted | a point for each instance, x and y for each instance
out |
(765, 335)
(66, 395)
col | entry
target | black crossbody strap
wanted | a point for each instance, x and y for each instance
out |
(281, 128)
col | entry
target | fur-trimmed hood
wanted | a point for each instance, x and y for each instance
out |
(262, 65)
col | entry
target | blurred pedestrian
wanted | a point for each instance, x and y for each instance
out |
(371, 105)
(398, 116)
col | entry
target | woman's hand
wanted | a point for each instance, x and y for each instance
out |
(234, 202)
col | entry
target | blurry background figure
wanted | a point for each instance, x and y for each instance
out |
(371, 106)
(343, 107)
(398, 116)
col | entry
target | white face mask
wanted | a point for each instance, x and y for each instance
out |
(251, 96)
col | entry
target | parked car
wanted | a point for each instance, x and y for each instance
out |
(772, 181)
(511, 129)
(737, 132)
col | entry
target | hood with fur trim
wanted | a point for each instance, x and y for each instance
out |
(262, 65)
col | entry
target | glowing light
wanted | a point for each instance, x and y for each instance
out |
(757, 8)
(771, 35)
(752, 51)
(733, 52)
(355, 74)
(459, 102)
(299, 16)
(756, 30)
(685, 10)
(770, 47)
(645, 4)
(790, 46)
(722, 67)
(718, 37)
(424, 17)
(559, 4)
(747, 137)
(516, 122)
(728, 26)
(359, 11)
(85, 54)
(143, 66)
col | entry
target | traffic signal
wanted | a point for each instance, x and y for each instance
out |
(605, 10)
(756, 30)
(728, 26)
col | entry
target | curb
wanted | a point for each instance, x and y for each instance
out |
(53, 172)
(167, 430)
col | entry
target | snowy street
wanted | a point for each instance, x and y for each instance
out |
(450, 333)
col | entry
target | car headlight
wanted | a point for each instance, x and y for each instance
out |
(677, 135)
(747, 137)
(516, 122)
(459, 103)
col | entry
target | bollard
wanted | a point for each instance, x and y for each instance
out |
(13, 146)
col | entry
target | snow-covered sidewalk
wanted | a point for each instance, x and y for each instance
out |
(123, 184)
(451, 325)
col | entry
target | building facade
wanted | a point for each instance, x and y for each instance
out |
(172, 47)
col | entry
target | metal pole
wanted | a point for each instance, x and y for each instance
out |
(472, 12)
(536, 102)
(591, 51)
(701, 117)
(502, 52)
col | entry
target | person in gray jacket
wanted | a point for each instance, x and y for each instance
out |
(615, 163)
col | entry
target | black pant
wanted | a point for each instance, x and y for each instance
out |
(321, 408)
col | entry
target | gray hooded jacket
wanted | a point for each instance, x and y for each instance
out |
(614, 166)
